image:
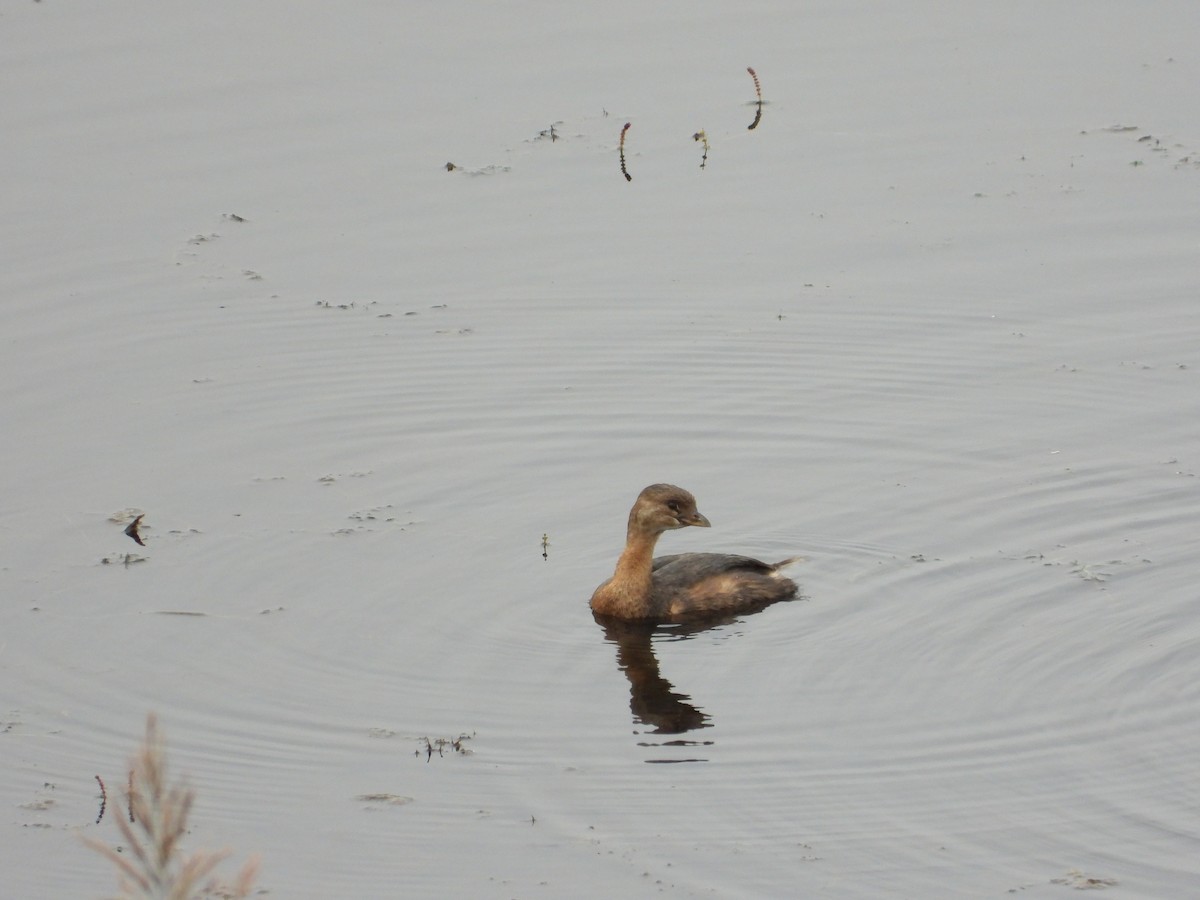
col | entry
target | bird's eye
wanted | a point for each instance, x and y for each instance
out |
(673, 506)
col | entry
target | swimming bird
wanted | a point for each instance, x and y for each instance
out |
(683, 587)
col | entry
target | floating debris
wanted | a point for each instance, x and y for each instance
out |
(485, 170)
(125, 559)
(132, 530)
(703, 139)
(1081, 882)
(440, 745)
(387, 799)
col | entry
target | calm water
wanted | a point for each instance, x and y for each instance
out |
(976, 416)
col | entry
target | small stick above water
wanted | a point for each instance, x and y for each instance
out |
(103, 799)
(758, 94)
(628, 177)
(757, 86)
(702, 138)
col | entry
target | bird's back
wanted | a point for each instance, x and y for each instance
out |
(698, 584)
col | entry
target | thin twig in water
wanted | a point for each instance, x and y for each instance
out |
(621, 147)
(702, 138)
(103, 799)
(758, 106)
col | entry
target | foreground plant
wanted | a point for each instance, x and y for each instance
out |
(152, 865)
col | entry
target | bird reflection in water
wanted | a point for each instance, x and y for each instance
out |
(653, 700)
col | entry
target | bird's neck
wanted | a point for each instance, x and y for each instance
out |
(637, 559)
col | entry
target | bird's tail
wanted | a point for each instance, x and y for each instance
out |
(787, 562)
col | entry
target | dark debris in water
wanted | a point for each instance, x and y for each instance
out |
(384, 799)
(131, 529)
(123, 559)
(430, 746)
(1084, 882)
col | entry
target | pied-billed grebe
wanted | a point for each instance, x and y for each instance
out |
(685, 586)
